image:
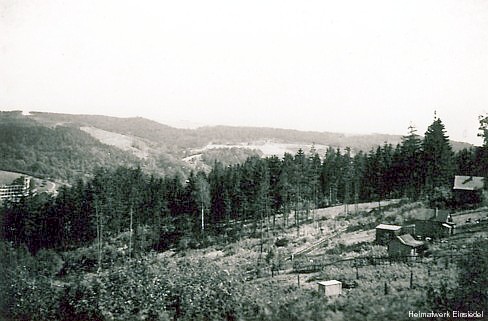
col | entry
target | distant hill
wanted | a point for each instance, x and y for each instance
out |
(64, 151)
(231, 135)
(66, 146)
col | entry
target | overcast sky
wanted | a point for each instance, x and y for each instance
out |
(342, 66)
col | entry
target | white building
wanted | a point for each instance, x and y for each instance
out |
(330, 288)
(13, 192)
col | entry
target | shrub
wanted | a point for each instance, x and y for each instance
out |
(282, 242)
(49, 263)
(24, 294)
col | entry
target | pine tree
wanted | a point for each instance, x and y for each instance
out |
(409, 165)
(314, 176)
(218, 193)
(437, 157)
(482, 152)
(465, 162)
(483, 129)
(328, 176)
(287, 185)
(275, 196)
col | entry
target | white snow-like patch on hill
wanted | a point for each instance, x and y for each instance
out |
(270, 147)
(127, 143)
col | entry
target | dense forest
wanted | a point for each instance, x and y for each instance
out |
(152, 213)
(220, 202)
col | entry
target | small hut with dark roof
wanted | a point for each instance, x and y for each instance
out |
(404, 245)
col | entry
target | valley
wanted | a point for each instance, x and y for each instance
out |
(130, 219)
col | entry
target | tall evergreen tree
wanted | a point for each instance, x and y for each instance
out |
(409, 169)
(438, 165)
(287, 185)
(329, 176)
(483, 129)
(275, 195)
(482, 152)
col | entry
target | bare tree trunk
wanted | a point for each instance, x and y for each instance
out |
(130, 233)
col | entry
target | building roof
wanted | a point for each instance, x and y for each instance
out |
(388, 227)
(468, 183)
(329, 282)
(433, 215)
(408, 240)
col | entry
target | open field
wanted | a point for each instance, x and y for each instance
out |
(136, 146)
(8, 177)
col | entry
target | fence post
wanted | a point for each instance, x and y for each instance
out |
(411, 279)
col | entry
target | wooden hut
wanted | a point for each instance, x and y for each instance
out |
(385, 233)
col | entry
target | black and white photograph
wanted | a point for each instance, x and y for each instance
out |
(250, 160)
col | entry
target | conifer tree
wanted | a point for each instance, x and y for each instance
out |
(275, 196)
(437, 157)
(483, 129)
(482, 152)
(409, 172)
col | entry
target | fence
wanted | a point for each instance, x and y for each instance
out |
(318, 265)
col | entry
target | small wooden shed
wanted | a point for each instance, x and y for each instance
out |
(386, 232)
(330, 287)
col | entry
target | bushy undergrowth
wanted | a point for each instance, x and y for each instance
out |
(157, 287)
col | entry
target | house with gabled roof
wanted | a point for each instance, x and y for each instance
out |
(468, 190)
(468, 183)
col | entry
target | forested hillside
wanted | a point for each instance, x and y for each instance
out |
(187, 139)
(47, 144)
(63, 151)
(58, 152)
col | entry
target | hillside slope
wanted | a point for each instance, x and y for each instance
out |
(67, 146)
(183, 140)
(64, 152)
